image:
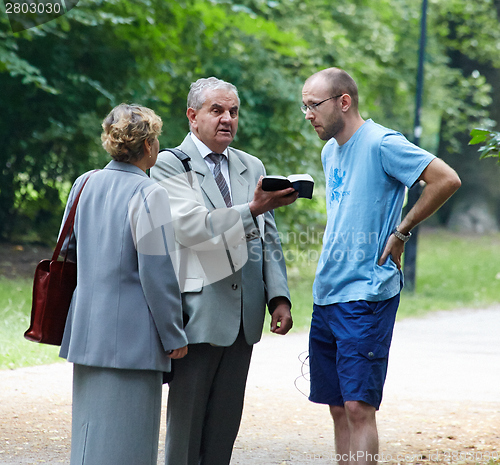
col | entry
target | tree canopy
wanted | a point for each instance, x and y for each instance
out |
(60, 79)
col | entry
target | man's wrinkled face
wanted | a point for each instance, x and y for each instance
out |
(327, 118)
(216, 122)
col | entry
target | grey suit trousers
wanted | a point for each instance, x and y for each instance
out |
(205, 403)
(116, 416)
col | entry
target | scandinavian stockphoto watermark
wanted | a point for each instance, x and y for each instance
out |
(216, 246)
(302, 247)
(212, 249)
(442, 456)
(26, 14)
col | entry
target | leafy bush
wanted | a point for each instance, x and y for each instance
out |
(491, 141)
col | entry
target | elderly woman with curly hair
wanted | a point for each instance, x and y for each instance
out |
(125, 321)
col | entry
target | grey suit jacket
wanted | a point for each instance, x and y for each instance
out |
(126, 309)
(216, 307)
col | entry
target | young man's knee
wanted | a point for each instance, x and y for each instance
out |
(359, 412)
(337, 412)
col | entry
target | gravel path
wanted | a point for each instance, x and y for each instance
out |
(441, 402)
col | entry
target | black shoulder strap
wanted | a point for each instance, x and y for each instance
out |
(184, 158)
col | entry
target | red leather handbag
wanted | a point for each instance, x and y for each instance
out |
(53, 288)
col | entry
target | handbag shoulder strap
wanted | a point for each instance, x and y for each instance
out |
(184, 158)
(68, 224)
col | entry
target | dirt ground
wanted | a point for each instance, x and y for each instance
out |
(418, 424)
(440, 405)
(20, 260)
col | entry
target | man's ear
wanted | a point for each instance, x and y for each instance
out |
(191, 115)
(346, 102)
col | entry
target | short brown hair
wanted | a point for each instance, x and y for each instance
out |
(126, 128)
(340, 83)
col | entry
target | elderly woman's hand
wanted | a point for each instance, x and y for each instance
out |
(179, 353)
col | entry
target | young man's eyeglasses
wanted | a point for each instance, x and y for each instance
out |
(313, 107)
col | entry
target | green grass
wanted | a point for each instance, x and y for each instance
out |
(453, 271)
(15, 308)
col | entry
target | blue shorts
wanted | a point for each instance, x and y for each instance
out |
(349, 350)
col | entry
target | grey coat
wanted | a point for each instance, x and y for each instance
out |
(126, 309)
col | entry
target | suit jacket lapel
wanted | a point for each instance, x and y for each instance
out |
(199, 166)
(240, 189)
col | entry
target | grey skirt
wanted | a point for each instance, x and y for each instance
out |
(116, 416)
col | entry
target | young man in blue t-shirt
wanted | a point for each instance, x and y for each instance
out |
(359, 278)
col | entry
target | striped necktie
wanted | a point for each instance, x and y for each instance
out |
(219, 178)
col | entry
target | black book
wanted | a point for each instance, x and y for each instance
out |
(303, 183)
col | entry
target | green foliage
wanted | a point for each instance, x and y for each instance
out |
(470, 27)
(472, 98)
(468, 35)
(491, 141)
(105, 52)
(59, 80)
(53, 131)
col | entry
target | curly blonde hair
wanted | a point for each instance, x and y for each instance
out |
(126, 128)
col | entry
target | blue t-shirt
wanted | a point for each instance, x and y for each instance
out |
(365, 189)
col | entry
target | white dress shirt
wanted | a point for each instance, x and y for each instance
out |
(224, 162)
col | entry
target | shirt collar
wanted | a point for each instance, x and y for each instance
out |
(202, 148)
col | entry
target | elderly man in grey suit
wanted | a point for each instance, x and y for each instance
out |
(230, 265)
